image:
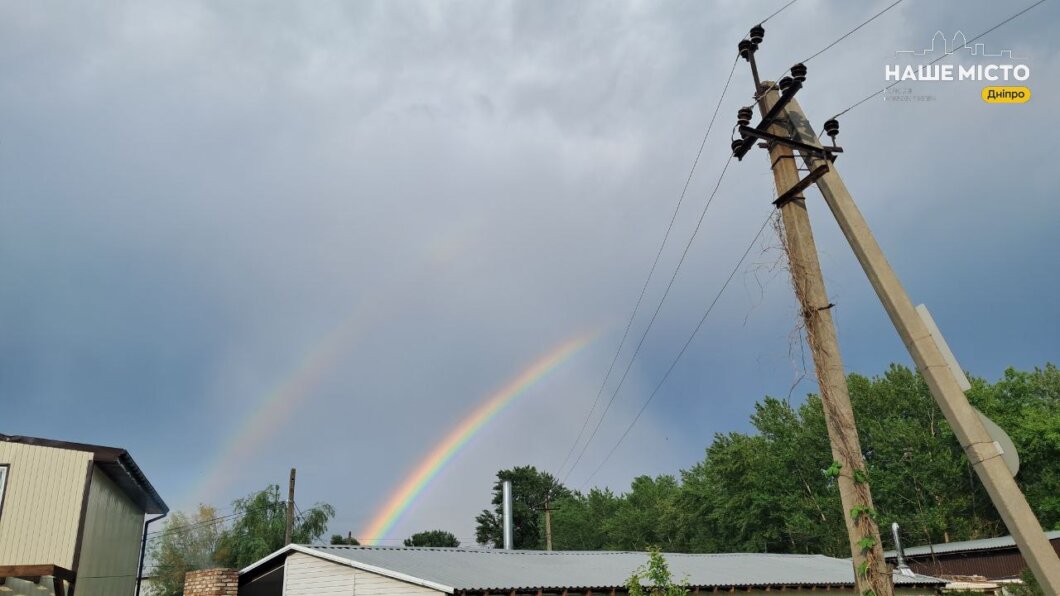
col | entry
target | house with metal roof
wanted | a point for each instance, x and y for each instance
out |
(991, 558)
(71, 514)
(299, 570)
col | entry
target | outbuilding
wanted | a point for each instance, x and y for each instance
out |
(391, 571)
(71, 518)
(990, 558)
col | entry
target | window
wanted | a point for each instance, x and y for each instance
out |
(3, 485)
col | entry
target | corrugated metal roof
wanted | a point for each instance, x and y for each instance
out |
(490, 569)
(965, 545)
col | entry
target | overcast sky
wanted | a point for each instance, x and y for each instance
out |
(240, 237)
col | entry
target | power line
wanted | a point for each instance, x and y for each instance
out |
(684, 348)
(942, 57)
(640, 298)
(852, 31)
(651, 271)
(778, 11)
(157, 534)
(654, 315)
(775, 81)
(188, 527)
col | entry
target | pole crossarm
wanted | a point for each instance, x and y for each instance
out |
(752, 133)
(749, 134)
(795, 192)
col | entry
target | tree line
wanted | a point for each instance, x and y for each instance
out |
(770, 490)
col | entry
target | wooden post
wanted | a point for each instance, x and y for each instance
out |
(871, 571)
(548, 524)
(290, 510)
(976, 442)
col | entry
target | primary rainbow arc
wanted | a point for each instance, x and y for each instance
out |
(402, 498)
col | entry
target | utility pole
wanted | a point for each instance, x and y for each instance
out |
(548, 522)
(784, 124)
(290, 510)
(871, 574)
(864, 536)
(978, 445)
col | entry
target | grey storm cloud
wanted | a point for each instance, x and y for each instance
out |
(375, 214)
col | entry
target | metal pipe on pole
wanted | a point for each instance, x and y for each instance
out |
(506, 496)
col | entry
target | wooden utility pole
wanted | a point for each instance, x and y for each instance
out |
(548, 523)
(290, 510)
(981, 449)
(871, 571)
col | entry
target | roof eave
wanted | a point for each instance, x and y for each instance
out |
(293, 548)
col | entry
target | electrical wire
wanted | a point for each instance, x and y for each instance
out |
(681, 353)
(775, 81)
(942, 57)
(189, 527)
(853, 31)
(157, 534)
(651, 271)
(779, 10)
(654, 315)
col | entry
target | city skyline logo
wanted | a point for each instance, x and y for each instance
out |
(957, 44)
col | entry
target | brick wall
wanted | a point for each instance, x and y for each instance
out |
(212, 582)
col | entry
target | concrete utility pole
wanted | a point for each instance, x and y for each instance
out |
(871, 571)
(290, 510)
(980, 448)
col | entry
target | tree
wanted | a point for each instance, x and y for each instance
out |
(530, 491)
(657, 576)
(261, 523)
(436, 538)
(345, 540)
(579, 521)
(774, 489)
(645, 516)
(185, 543)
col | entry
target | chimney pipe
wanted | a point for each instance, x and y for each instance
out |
(506, 488)
(903, 568)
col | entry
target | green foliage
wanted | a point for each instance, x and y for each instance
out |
(578, 520)
(866, 543)
(775, 490)
(530, 490)
(261, 523)
(436, 538)
(859, 510)
(863, 568)
(1030, 586)
(860, 476)
(203, 540)
(654, 578)
(339, 539)
(185, 543)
